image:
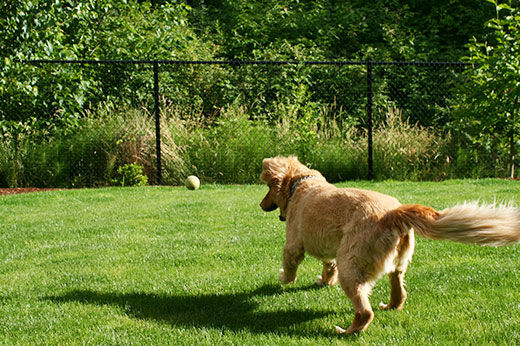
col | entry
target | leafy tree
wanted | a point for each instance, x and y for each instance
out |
(406, 30)
(93, 30)
(332, 29)
(225, 29)
(488, 111)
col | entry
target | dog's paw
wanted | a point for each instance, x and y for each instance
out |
(391, 306)
(384, 306)
(321, 282)
(342, 331)
(347, 332)
(284, 280)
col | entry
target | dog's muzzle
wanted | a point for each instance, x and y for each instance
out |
(270, 207)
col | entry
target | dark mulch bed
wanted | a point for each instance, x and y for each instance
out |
(17, 190)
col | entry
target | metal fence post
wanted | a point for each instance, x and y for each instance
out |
(369, 121)
(157, 120)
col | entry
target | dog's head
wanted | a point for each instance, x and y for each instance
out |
(280, 173)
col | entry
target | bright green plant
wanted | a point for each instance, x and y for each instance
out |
(130, 175)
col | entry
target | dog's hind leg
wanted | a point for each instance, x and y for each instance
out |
(329, 275)
(293, 255)
(358, 293)
(397, 292)
(360, 263)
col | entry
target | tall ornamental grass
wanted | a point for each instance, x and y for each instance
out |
(226, 150)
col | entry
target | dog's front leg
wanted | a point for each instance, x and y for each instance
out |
(293, 254)
(329, 275)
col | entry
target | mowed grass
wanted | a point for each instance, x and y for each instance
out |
(164, 265)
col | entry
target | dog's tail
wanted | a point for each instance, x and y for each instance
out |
(466, 223)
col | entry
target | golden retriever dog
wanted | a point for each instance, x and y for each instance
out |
(360, 235)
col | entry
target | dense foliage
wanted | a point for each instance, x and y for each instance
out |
(48, 111)
(205, 30)
(94, 30)
(331, 29)
(489, 108)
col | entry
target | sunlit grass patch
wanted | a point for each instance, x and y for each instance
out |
(164, 265)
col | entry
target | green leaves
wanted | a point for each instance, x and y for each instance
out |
(93, 30)
(488, 110)
(130, 175)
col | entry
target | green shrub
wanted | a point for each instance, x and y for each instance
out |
(130, 175)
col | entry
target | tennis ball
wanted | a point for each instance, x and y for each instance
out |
(192, 182)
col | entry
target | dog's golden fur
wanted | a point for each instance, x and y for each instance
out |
(360, 235)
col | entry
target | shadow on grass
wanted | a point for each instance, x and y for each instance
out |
(234, 312)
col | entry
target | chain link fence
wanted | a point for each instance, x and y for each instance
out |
(84, 120)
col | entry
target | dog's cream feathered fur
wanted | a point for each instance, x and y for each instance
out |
(360, 235)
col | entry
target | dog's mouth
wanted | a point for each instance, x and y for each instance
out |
(267, 204)
(271, 207)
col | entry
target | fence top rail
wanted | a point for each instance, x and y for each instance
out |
(246, 62)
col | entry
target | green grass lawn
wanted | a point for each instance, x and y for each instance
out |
(163, 265)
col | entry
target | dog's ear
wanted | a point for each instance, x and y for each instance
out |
(266, 163)
(266, 174)
(274, 169)
(293, 159)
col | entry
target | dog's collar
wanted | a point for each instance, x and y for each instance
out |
(293, 188)
(295, 184)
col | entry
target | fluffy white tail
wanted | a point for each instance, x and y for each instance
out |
(466, 223)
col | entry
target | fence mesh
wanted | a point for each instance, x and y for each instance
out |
(84, 120)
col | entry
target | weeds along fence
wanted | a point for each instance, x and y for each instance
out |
(84, 119)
